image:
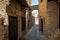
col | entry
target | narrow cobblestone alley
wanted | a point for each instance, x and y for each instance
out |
(34, 34)
(29, 19)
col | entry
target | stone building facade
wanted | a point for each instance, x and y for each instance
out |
(29, 17)
(29, 2)
(49, 19)
(3, 20)
(30, 20)
(12, 19)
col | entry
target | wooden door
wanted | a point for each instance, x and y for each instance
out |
(13, 33)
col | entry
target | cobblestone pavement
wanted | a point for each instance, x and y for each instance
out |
(34, 34)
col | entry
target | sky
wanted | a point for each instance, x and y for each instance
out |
(34, 11)
(34, 2)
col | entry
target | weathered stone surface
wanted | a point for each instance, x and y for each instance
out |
(10, 8)
(3, 19)
(34, 34)
(15, 9)
(49, 12)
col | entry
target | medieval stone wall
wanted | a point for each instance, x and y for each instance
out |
(52, 20)
(15, 9)
(49, 12)
(10, 8)
(3, 20)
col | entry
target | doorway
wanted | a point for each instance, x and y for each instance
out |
(13, 32)
(23, 24)
(41, 25)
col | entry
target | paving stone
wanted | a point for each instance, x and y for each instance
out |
(34, 34)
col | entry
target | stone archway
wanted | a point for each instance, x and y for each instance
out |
(13, 17)
(17, 12)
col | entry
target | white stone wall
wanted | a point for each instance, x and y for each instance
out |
(4, 17)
